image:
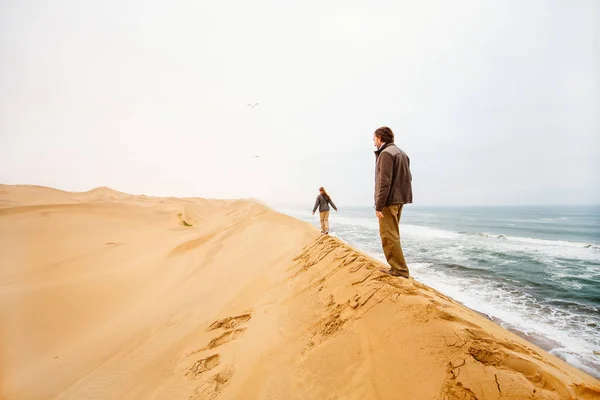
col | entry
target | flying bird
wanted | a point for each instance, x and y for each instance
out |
(252, 105)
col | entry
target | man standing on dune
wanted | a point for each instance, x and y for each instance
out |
(393, 189)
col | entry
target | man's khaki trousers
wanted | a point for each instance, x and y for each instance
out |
(325, 221)
(389, 231)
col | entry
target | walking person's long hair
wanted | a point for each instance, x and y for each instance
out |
(322, 190)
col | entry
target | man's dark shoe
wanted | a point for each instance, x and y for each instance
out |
(393, 272)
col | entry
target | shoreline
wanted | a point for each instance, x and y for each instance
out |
(585, 363)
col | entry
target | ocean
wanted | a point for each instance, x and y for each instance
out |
(533, 270)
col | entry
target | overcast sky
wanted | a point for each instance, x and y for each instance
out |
(495, 102)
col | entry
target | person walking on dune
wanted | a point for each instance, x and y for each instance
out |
(323, 201)
(393, 189)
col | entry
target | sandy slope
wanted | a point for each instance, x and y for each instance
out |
(104, 295)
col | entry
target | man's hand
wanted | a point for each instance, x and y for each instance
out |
(313, 213)
(379, 214)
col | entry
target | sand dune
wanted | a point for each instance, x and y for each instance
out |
(105, 295)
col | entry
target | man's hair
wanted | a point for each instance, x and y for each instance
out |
(322, 190)
(385, 134)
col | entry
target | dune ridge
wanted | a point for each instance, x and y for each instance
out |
(109, 295)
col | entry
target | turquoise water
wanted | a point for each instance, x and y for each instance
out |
(535, 270)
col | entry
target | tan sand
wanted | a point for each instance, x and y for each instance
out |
(104, 295)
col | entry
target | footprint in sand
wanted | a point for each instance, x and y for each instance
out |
(225, 338)
(203, 365)
(230, 322)
(230, 325)
(212, 386)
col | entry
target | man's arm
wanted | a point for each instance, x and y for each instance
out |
(332, 204)
(384, 180)
(316, 204)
